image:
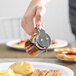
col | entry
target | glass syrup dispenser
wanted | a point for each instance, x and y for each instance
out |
(38, 43)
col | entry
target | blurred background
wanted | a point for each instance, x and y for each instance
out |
(56, 20)
(13, 46)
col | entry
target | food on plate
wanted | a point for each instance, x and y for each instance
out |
(27, 74)
(9, 73)
(22, 67)
(21, 43)
(66, 50)
(66, 53)
(37, 72)
(3, 72)
(55, 43)
(44, 72)
(69, 57)
(27, 69)
(54, 73)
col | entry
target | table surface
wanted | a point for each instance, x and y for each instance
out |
(6, 52)
(12, 55)
(49, 60)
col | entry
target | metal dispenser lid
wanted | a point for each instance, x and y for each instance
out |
(43, 39)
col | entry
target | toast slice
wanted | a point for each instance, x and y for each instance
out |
(50, 73)
(35, 73)
(54, 73)
(45, 73)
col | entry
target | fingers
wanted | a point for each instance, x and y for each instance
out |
(40, 11)
(28, 25)
(32, 18)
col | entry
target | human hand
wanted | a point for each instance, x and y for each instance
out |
(32, 18)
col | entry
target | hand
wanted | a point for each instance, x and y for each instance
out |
(32, 18)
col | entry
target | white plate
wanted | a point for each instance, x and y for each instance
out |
(10, 44)
(66, 60)
(43, 66)
(63, 44)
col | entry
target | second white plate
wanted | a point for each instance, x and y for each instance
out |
(43, 66)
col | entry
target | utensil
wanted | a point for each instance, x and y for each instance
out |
(42, 39)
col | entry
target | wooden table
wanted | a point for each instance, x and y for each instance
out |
(49, 60)
(6, 52)
(12, 55)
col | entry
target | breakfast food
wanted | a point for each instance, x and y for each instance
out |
(66, 50)
(21, 43)
(54, 73)
(44, 72)
(27, 69)
(55, 43)
(61, 50)
(66, 54)
(37, 72)
(67, 57)
(9, 73)
(22, 67)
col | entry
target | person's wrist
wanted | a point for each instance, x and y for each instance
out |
(38, 2)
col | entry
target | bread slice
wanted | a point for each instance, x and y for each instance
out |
(54, 73)
(50, 73)
(57, 73)
(44, 72)
(67, 50)
(67, 57)
(30, 74)
(37, 73)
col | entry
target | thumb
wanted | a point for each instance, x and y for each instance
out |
(40, 11)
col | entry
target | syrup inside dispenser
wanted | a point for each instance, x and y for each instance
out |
(38, 43)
